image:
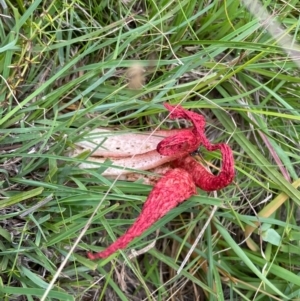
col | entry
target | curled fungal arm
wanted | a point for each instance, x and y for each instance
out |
(203, 178)
(179, 145)
(191, 141)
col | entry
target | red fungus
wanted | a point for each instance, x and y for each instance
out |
(161, 199)
(180, 183)
(204, 179)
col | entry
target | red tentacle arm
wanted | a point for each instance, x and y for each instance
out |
(203, 178)
(198, 123)
(179, 145)
(197, 119)
(176, 186)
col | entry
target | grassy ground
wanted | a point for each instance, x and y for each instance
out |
(63, 70)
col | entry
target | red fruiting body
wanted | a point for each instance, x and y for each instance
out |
(180, 183)
(161, 199)
(179, 145)
(204, 179)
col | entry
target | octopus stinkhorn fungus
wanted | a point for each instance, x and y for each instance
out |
(178, 183)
